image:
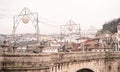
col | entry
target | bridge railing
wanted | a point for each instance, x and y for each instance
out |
(84, 56)
(57, 57)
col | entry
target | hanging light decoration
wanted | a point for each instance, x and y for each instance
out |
(70, 28)
(25, 19)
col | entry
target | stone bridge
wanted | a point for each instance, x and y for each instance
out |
(61, 62)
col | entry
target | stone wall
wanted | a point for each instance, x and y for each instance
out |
(60, 62)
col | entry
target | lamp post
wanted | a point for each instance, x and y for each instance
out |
(25, 16)
(68, 30)
(4, 47)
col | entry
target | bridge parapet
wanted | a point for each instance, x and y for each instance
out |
(84, 56)
(63, 55)
(48, 59)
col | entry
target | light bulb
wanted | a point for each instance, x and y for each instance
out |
(25, 19)
(70, 28)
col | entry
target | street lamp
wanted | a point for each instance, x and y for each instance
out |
(68, 30)
(25, 16)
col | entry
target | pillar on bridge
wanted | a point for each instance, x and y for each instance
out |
(14, 48)
(118, 36)
(40, 48)
(4, 47)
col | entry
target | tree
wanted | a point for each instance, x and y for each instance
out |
(111, 26)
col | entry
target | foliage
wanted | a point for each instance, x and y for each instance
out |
(110, 26)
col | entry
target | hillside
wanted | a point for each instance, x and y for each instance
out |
(110, 26)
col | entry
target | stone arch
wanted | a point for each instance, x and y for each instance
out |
(85, 70)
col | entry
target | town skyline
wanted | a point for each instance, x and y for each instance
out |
(54, 13)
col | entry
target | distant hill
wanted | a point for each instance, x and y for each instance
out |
(110, 26)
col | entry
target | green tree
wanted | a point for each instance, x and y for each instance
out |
(110, 26)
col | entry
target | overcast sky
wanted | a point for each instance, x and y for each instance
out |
(54, 13)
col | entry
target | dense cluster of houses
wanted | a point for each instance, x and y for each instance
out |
(71, 43)
(104, 42)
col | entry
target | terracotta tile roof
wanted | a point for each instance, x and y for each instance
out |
(75, 46)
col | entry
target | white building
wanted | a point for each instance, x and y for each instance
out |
(51, 49)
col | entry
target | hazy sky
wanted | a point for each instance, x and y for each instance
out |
(54, 13)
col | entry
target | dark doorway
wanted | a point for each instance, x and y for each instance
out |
(85, 70)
